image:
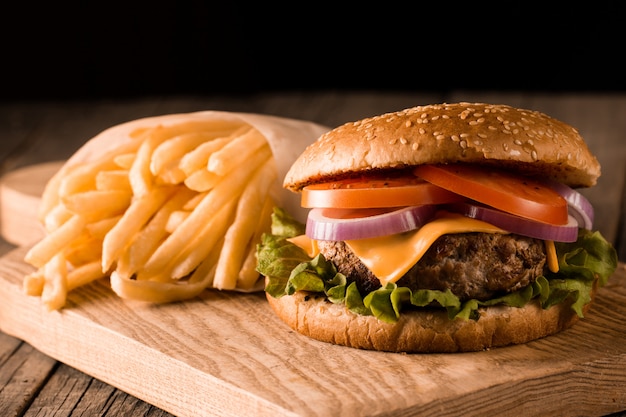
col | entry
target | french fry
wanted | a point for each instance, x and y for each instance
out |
(202, 180)
(157, 292)
(86, 251)
(59, 185)
(56, 217)
(94, 205)
(199, 157)
(188, 259)
(234, 153)
(237, 239)
(83, 177)
(171, 175)
(172, 290)
(170, 152)
(231, 185)
(99, 228)
(113, 180)
(205, 272)
(141, 177)
(193, 202)
(54, 243)
(176, 219)
(131, 222)
(150, 237)
(33, 283)
(50, 197)
(172, 211)
(248, 275)
(84, 274)
(54, 291)
(125, 160)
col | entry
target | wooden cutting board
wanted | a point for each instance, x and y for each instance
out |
(20, 191)
(227, 354)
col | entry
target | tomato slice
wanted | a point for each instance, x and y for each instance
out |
(500, 189)
(376, 192)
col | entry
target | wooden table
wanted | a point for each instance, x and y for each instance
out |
(32, 383)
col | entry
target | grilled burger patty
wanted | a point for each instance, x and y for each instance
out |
(471, 265)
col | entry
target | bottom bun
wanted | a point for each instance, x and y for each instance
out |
(426, 331)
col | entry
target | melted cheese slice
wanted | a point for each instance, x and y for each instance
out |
(306, 244)
(553, 260)
(390, 257)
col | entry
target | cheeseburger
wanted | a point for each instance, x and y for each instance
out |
(440, 228)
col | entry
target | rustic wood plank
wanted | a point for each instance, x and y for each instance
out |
(71, 392)
(24, 371)
(621, 234)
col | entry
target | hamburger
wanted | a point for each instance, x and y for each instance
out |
(439, 228)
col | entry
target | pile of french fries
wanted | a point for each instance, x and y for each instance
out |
(168, 213)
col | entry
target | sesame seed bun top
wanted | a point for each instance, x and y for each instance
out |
(523, 140)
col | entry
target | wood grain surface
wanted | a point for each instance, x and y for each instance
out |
(226, 354)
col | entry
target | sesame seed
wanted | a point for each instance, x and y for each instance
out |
(408, 123)
(440, 137)
(403, 141)
(422, 131)
(533, 154)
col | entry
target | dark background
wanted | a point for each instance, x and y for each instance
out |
(81, 49)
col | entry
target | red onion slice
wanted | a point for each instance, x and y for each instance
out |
(334, 224)
(579, 207)
(519, 225)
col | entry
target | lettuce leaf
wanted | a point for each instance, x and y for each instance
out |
(288, 269)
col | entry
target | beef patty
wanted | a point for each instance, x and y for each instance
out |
(471, 265)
